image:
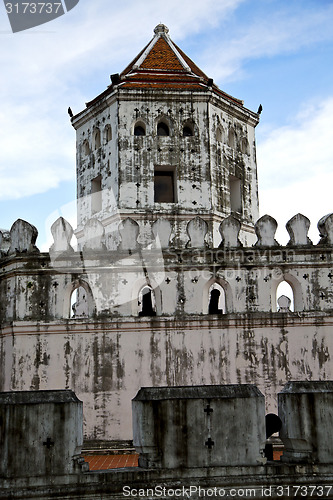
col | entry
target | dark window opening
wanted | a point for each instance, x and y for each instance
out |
(108, 134)
(96, 195)
(162, 129)
(273, 425)
(187, 131)
(164, 190)
(232, 139)
(235, 194)
(86, 148)
(97, 137)
(213, 307)
(146, 303)
(219, 134)
(244, 145)
(139, 131)
(217, 300)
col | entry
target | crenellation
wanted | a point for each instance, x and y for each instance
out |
(62, 233)
(23, 237)
(251, 275)
(5, 242)
(196, 229)
(93, 239)
(229, 230)
(161, 229)
(129, 232)
(265, 229)
(325, 227)
(298, 228)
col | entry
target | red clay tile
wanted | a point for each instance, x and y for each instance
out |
(162, 56)
(104, 462)
(277, 455)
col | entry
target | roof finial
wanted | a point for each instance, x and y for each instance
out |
(161, 28)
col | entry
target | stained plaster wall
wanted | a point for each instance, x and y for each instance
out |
(97, 161)
(233, 153)
(108, 355)
(107, 363)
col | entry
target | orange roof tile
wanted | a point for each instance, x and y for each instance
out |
(162, 57)
(163, 85)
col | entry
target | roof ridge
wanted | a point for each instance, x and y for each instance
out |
(131, 64)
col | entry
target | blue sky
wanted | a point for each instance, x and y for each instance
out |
(275, 52)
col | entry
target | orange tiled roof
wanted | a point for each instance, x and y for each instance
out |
(164, 85)
(162, 80)
(163, 65)
(162, 57)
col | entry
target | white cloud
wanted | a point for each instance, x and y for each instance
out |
(295, 167)
(36, 153)
(68, 212)
(273, 33)
(299, 150)
(45, 70)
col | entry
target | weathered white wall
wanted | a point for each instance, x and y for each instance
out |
(180, 427)
(108, 355)
(97, 161)
(29, 421)
(106, 363)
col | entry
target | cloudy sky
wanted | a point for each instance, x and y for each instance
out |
(275, 52)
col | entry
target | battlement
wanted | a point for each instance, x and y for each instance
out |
(171, 281)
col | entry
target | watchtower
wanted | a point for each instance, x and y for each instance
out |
(164, 139)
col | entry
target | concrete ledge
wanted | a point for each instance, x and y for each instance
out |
(110, 484)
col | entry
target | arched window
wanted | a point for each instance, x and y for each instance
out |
(79, 303)
(96, 194)
(232, 138)
(219, 134)
(235, 194)
(139, 130)
(97, 138)
(284, 297)
(244, 145)
(216, 303)
(187, 131)
(108, 133)
(86, 148)
(162, 129)
(147, 304)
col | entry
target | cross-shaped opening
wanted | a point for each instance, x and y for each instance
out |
(208, 410)
(210, 443)
(48, 443)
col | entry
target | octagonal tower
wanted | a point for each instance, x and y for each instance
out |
(164, 139)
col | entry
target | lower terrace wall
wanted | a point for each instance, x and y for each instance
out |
(106, 363)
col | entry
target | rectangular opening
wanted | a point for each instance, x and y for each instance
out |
(96, 194)
(235, 194)
(164, 185)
